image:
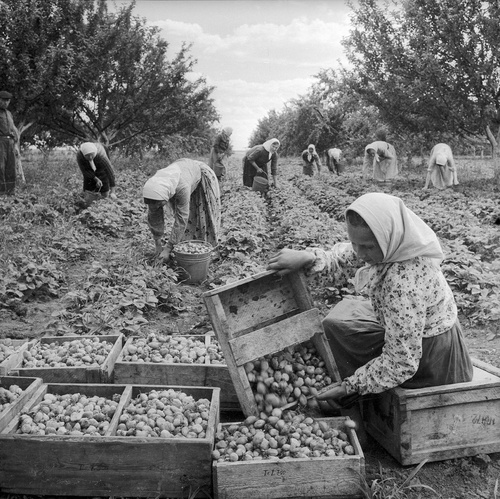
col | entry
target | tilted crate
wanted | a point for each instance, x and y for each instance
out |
(262, 315)
(440, 422)
(108, 465)
(164, 373)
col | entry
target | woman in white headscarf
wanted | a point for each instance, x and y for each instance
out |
(256, 160)
(380, 157)
(407, 333)
(219, 152)
(441, 170)
(188, 190)
(311, 159)
(97, 171)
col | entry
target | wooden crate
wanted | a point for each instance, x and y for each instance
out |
(80, 374)
(262, 315)
(107, 465)
(15, 358)
(438, 423)
(327, 477)
(207, 374)
(27, 385)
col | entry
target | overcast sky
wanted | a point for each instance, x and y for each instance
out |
(257, 54)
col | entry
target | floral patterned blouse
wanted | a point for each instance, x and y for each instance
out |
(411, 301)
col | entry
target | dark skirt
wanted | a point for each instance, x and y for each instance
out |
(356, 337)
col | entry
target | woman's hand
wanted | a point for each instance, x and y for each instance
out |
(334, 393)
(288, 260)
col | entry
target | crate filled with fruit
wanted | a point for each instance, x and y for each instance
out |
(71, 359)
(287, 454)
(108, 439)
(11, 352)
(192, 360)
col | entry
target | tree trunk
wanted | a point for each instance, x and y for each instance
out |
(494, 156)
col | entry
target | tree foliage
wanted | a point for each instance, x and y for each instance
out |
(429, 66)
(84, 73)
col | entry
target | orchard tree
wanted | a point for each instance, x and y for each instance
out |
(430, 67)
(86, 74)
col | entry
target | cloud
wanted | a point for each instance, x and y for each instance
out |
(242, 104)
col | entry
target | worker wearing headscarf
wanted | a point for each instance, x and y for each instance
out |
(312, 163)
(220, 152)
(256, 159)
(333, 156)
(442, 171)
(381, 158)
(97, 171)
(188, 190)
(407, 334)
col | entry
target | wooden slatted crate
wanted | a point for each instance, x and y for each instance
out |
(108, 465)
(440, 422)
(289, 478)
(15, 358)
(263, 315)
(165, 373)
(28, 387)
(82, 374)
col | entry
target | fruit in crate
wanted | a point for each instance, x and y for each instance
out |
(165, 413)
(279, 435)
(69, 414)
(9, 395)
(71, 353)
(293, 375)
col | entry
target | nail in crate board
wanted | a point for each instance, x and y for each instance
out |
(70, 359)
(11, 353)
(190, 360)
(108, 463)
(15, 391)
(336, 476)
(259, 321)
(439, 422)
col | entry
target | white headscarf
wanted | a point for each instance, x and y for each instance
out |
(309, 153)
(163, 184)
(400, 233)
(227, 130)
(267, 145)
(89, 148)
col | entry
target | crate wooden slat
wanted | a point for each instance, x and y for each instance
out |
(77, 374)
(15, 358)
(438, 423)
(259, 300)
(162, 373)
(108, 465)
(262, 315)
(323, 477)
(27, 385)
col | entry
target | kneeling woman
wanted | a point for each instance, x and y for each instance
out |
(189, 190)
(407, 333)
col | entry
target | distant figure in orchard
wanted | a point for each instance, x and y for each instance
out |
(189, 191)
(97, 171)
(311, 162)
(8, 138)
(219, 152)
(333, 160)
(442, 171)
(256, 159)
(380, 157)
(403, 329)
